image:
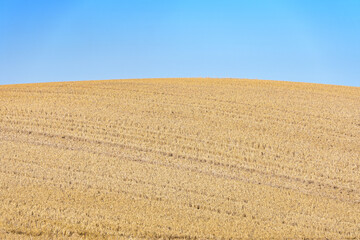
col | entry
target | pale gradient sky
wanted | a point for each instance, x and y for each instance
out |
(300, 40)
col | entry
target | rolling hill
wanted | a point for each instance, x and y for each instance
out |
(179, 158)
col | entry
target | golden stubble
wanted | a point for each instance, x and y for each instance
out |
(179, 158)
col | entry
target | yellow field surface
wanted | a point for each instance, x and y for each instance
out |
(179, 158)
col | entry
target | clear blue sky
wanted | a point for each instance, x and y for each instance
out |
(292, 40)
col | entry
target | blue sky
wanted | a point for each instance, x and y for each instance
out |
(299, 40)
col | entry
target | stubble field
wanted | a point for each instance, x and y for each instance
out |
(179, 158)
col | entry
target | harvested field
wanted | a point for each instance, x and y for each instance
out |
(179, 158)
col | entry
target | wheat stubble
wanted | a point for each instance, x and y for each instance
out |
(179, 158)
